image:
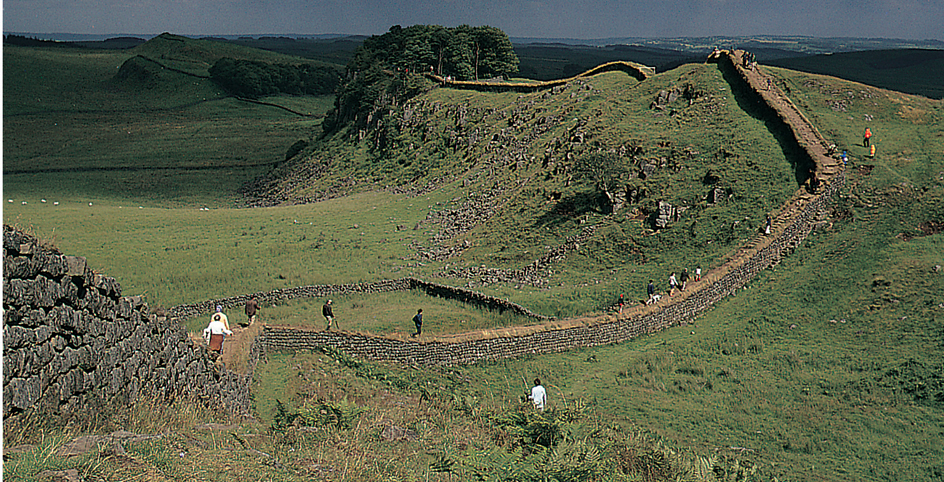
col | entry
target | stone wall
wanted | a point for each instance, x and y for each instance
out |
(790, 227)
(565, 335)
(71, 341)
(323, 291)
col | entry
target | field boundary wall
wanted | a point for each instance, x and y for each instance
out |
(790, 226)
(73, 343)
(638, 71)
(384, 286)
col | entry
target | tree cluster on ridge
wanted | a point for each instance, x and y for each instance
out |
(388, 69)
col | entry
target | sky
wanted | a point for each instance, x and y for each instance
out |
(572, 19)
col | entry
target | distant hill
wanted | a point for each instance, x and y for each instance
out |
(912, 71)
(557, 61)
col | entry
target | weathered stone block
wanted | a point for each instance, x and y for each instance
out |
(22, 392)
(75, 265)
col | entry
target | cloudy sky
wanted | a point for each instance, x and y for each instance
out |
(580, 19)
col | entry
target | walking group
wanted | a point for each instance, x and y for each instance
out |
(678, 283)
(216, 332)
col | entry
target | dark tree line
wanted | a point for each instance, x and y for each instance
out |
(387, 69)
(253, 79)
(464, 52)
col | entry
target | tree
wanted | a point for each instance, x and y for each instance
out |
(494, 54)
(608, 172)
(375, 82)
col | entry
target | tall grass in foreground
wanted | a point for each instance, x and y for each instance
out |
(432, 426)
(358, 421)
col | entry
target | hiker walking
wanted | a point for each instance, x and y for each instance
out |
(538, 395)
(252, 307)
(698, 273)
(620, 303)
(672, 284)
(329, 315)
(418, 321)
(767, 226)
(216, 331)
(222, 316)
(683, 279)
(866, 138)
(651, 292)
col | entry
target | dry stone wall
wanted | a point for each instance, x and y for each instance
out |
(323, 291)
(791, 226)
(563, 336)
(71, 341)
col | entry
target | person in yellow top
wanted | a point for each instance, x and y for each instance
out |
(222, 318)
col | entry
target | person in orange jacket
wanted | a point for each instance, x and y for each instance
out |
(867, 136)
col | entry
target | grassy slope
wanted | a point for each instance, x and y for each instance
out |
(176, 140)
(819, 368)
(714, 133)
(820, 401)
(914, 71)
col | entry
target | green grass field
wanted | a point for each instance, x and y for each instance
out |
(826, 367)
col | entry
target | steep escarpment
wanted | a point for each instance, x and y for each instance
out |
(688, 169)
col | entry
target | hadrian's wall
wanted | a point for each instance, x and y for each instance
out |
(71, 341)
(791, 225)
(323, 291)
(561, 336)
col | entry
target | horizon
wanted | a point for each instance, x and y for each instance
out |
(78, 37)
(539, 19)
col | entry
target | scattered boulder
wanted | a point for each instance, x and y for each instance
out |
(665, 215)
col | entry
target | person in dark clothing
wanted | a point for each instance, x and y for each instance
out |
(418, 321)
(329, 315)
(621, 303)
(651, 291)
(683, 279)
(252, 307)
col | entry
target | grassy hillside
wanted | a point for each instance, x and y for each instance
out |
(913, 71)
(123, 126)
(827, 367)
(251, 250)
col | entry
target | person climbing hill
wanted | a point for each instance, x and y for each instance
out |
(867, 137)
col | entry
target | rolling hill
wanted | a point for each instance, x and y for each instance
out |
(826, 367)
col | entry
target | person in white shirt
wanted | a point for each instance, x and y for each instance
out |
(216, 332)
(538, 395)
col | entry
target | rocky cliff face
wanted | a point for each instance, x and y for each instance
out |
(71, 341)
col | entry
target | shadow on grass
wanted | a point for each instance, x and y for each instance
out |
(753, 105)
(571, 207)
